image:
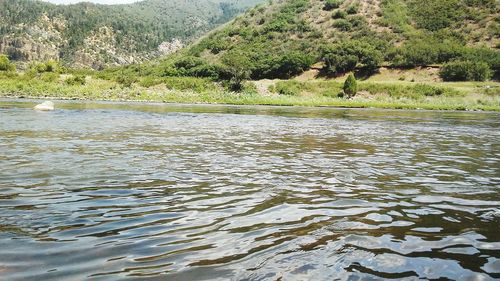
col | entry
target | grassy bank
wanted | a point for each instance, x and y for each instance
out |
(314, 92)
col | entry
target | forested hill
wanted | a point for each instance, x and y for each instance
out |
(285, 37)
(87, 34)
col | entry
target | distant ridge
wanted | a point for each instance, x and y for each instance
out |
(93, 35)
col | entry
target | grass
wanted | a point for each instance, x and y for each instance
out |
(393, 94)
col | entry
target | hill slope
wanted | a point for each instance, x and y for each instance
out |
(94, 35)
(285, 37)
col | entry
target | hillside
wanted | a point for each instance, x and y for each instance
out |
(431, 54)
(285, 37)
(94, 35)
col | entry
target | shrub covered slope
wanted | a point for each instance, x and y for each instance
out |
(284, 37)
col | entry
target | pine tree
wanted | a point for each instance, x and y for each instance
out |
(350, 86)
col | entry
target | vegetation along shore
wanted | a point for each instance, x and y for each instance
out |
(396, 54)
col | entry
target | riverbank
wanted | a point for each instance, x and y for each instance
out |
(374, 92)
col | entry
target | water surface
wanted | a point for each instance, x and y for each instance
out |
(111, 191)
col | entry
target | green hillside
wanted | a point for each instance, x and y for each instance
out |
(285, 37)
(94, 35)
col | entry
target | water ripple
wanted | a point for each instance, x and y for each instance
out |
(117, 191)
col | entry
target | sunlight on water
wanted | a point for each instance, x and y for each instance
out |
(113, 191)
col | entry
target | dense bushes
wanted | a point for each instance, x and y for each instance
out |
(465, 71)
(346, 56)
(197, 67)
(287, 16)
(342, 25)
(285, 66)
(49, 66)
(425, 52)
(436, 14)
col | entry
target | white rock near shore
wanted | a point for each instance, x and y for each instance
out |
(45, 106)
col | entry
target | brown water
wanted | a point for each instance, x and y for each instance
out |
(122, 191)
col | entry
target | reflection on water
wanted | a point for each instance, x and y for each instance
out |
(113, 191)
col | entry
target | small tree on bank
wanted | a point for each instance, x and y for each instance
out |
(237, 65)
(350, 86)
(5, 64)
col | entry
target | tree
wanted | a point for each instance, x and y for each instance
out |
(238, 68)
(465, 71)
(346, 56)
(350, 86)
(5, 64)
(284, 66)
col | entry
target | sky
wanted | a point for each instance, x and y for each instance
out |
(94, 1)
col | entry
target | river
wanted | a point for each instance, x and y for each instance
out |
(113, 191)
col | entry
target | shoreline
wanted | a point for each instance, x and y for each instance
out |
(343, 104)
(379, 91)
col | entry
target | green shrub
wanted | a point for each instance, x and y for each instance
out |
(287, 65)
(339, 14)
(350, 86)
(75, 80)
(149, 81)
(346, 56)
(49, 76)
(249, 87)
(42, 67)
(126, 81)
(433, 50)
(332, 4)
(486, 55)
(237, 67)
(465, 71)
(195, 67)
(353, 9)
(288, 88)
(5, 64)
(434, 15)
(428, 90)
(415, 53)
(342, 25)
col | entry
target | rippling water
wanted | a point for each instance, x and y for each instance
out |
(167, 192)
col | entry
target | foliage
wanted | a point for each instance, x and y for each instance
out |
(237, 67)
(311, 93)
(465, 71)
(292, 88)
(342, 25)
(350, 86)
(48, 66)
(5, 64)
(437, 14)
(352, 9)
(75, 80)
(126, 81)
(346, 56)
(284, 38)
(339, 14)
(197, 67)
(332, 4)
(429, 51)
(288, 65)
